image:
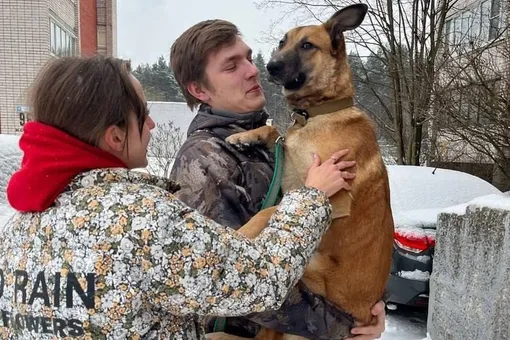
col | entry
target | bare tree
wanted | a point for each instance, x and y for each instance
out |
(474, 99)
(163, 147)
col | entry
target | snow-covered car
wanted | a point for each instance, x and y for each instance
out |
(418, 195)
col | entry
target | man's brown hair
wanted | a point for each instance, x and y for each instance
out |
(189, 53)
(83, 96)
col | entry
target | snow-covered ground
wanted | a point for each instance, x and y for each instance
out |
(406, 324)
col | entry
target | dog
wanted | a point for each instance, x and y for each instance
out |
(352, 264)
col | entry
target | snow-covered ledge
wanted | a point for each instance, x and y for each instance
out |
(470, 282)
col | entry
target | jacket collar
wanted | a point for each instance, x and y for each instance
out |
(209, 118)
(98, 177)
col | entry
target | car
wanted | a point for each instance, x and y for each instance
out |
(418, 195)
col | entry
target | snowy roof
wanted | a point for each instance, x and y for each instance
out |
(179, 113)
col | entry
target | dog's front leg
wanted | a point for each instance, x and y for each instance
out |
(264, 135)
(257, 223)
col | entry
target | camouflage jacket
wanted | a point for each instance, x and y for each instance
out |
(222, 182)
(229, 185)
(119, 257)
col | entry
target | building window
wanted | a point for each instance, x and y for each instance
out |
(467, 22)
(458, 30)
(496, 23)
(483, 23)
(485, 9)
(449, 32)
(476, 24)
(62, 43)
(101, 37)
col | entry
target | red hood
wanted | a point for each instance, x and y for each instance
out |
(51, 159)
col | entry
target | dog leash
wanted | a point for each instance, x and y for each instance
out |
(276, 182)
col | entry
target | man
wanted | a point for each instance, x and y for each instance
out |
(215, 71)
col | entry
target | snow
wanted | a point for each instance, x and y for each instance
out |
(419, 194)
(406, 324)
(417, 275)
(495, 201)
(414, 231)
(10, 158)
(416, 188)
(176, 112)
(423, 258)
(423, 218)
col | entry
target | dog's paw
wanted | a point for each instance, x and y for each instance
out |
(242, 140)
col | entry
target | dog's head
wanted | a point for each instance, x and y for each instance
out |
(311, 61)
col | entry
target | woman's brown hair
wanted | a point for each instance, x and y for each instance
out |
(83, 96)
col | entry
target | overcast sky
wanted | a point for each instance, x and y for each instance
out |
(147, 28)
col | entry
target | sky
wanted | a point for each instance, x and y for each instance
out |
(144, 32)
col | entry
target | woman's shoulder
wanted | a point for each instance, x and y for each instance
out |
(120, 178)
(115, 199)
(117, 188)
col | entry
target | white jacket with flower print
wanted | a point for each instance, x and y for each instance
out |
(119, 257)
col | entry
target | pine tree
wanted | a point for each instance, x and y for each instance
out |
(158, 81)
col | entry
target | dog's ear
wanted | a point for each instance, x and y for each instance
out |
(346, 19)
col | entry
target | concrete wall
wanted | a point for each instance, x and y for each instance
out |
(470, 284)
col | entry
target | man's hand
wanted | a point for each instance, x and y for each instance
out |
(374, 330)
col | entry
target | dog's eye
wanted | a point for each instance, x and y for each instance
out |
(307, 46)
(280, 45)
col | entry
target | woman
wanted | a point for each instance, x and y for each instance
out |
(98, 250)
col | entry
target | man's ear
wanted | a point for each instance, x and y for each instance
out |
(197, 91)
(114, 138)
(346, 19)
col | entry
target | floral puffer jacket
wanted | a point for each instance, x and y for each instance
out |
(118, 256)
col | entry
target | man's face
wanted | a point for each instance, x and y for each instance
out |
(233, 82)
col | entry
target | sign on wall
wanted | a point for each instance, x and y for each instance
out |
(23, 112)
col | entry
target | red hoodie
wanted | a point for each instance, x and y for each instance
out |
(51, 159)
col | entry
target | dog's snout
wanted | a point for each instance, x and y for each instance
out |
(275, 67)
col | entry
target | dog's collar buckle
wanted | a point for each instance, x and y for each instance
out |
(300, 116)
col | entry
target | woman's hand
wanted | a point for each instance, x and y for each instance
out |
(329, 177)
